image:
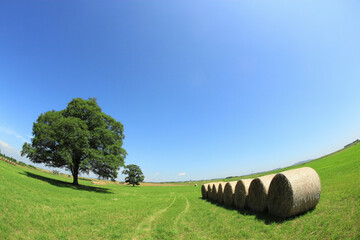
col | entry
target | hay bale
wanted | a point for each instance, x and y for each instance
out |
(214, 191)
(293, 192)
(209, 189)
(241, 192)
(258, 191)
(229, 191)
(220, 194)
(98, 183)
(204, 190)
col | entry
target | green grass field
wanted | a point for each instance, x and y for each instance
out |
(38, 205)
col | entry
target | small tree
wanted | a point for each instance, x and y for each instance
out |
(80, 138)
(135, 175)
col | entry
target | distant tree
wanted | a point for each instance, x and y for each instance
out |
(80, 138)
(135, 175)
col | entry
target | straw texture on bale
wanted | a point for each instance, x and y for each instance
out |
(293, 192)
(241, 192)
(209, 190)
(204, 191)
(229, 191)
(258, 191)
(98, 183)
(214, 191)
(221, 192)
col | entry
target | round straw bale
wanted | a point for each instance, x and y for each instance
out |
(229, 191)
(258, 191)
(293, 192)
(241, 192)
(209, 189)
(214, 191)
(220, 194)
(204, 191)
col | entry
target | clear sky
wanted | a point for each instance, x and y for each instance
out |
(205, 89)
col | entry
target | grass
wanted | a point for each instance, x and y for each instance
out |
(39, 205)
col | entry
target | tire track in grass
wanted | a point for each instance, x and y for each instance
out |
(184, 211)
(181, 214)
(166, 225)
(144, 227)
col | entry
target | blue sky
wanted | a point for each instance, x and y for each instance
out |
(205, 89)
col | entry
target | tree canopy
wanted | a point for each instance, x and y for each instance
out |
(135, 175)
(80, 138)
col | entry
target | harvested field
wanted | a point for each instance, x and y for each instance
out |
(40, 205)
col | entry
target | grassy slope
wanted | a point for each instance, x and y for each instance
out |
(38, 205)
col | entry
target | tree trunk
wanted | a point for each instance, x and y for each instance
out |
(133, 184)
(75, 173)
(75, 182)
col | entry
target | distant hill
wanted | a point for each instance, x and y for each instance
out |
(302, 162)
(352, 144)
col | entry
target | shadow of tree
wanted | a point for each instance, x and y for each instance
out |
(264, 216)
(60, 183)
(84, 179)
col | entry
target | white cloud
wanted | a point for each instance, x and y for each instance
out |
(157, 173)
(29, 136)
(13, 133)
(182, 174)
(8, 150)
(14, 153)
